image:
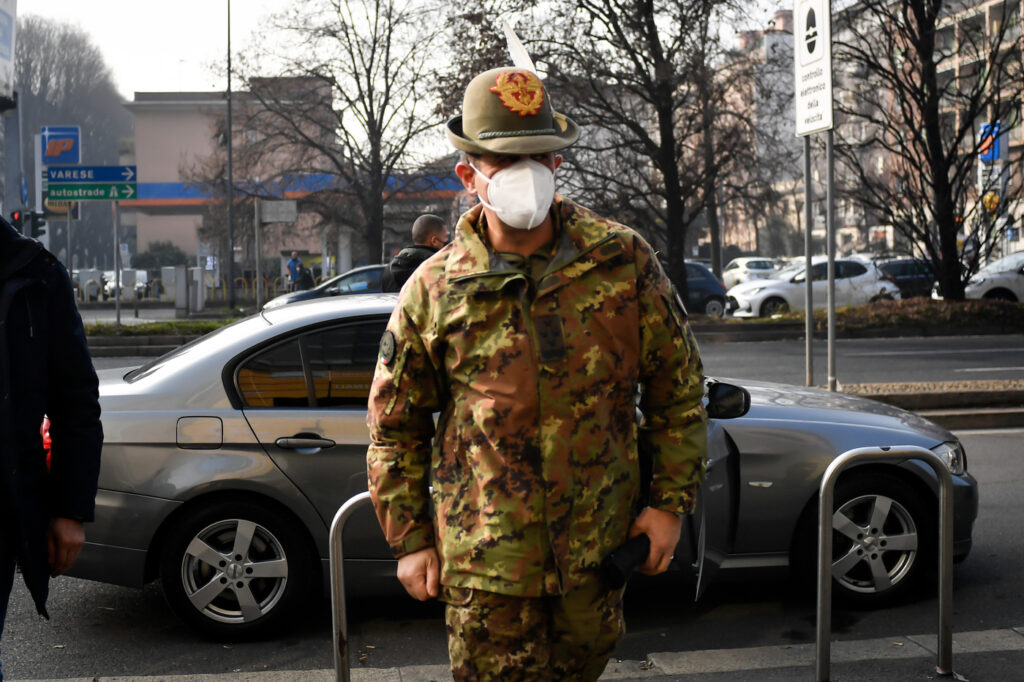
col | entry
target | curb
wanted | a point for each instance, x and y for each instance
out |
(954, 406)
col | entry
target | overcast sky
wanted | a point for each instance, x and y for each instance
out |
(160, 46)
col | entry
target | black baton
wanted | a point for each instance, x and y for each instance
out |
(617, 566)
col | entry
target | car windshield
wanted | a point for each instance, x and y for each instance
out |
(1005, 264)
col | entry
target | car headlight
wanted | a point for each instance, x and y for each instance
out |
(273, 303)
(752, 292)
(953, 456)
(975, 281)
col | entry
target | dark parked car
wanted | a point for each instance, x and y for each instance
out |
(225, 461)
(704, 293)
(914, 276)
(362, 280)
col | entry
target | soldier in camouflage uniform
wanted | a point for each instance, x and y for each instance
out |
(531, 334)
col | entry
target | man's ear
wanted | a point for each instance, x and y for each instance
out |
(465, 173)
(558, 161)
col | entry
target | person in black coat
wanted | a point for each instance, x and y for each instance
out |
(45, 369)
(429, 234)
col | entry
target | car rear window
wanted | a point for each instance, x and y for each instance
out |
(330, 367)
(849, 268)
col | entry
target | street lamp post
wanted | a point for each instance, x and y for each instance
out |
(230, 185)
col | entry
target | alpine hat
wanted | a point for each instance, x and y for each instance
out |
(508, 111)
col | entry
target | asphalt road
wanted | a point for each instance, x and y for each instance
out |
(102, 630)
(912, 359)
(858, 360)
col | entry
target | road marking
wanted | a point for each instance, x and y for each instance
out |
(932, 352)
(990, 369)
(1012, 431)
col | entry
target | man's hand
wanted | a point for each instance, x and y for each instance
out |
(419, 573)
(663, 528)
(64, 540)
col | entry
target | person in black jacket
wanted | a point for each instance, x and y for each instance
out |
(429, 234)
(45, 369)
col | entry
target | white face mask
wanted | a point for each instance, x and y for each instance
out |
(521, 194)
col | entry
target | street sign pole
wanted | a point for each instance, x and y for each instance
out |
(812, 70)
(117, 264)
(808, 288)
(258, 239)
(830, 229)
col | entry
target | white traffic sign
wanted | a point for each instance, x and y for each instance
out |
(278, 211)
(812, 60)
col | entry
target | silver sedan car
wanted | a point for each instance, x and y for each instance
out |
(226, 460)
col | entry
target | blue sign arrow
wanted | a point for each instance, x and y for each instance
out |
(65, 174)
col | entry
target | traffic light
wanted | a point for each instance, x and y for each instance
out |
(38, 220)
(17, 218)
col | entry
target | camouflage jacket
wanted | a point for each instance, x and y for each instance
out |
(534, 459)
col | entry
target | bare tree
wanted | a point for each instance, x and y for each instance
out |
(346, 115)
(918, 77)
(61, 79)
(645, 81)
(766, 169)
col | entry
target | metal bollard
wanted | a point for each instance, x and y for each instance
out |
(340, 630)
(896, 453)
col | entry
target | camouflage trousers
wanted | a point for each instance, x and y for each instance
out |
(563, 637)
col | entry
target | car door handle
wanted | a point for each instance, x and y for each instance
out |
(303, 443)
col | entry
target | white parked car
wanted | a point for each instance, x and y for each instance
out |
(741, 270)
(857, 282)
(1003, 279)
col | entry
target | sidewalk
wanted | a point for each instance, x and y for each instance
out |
(979, 655)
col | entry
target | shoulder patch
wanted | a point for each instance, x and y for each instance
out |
(387, 347)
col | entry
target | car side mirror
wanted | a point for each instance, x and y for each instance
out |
(726, 401)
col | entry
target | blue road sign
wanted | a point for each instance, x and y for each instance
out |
(993, 140)
(61, 144)
(91, 174)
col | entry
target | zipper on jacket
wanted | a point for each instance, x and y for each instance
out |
(527, 298)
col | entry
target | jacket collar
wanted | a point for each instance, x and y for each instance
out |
(579, 232)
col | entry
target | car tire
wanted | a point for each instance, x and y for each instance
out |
(774, 305)
(883, 542)
(231, 587)
(1001, 295)
(714, 307)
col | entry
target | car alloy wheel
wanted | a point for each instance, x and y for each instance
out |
(877, 543)
(882, 541)
(236, 570)
(774, 305)
(714, 307)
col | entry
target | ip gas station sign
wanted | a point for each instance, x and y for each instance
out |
(61, 145)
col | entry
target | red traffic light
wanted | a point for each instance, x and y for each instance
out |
(17, 217)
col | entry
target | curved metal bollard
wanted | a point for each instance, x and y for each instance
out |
(340, 629)
(896, 453)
